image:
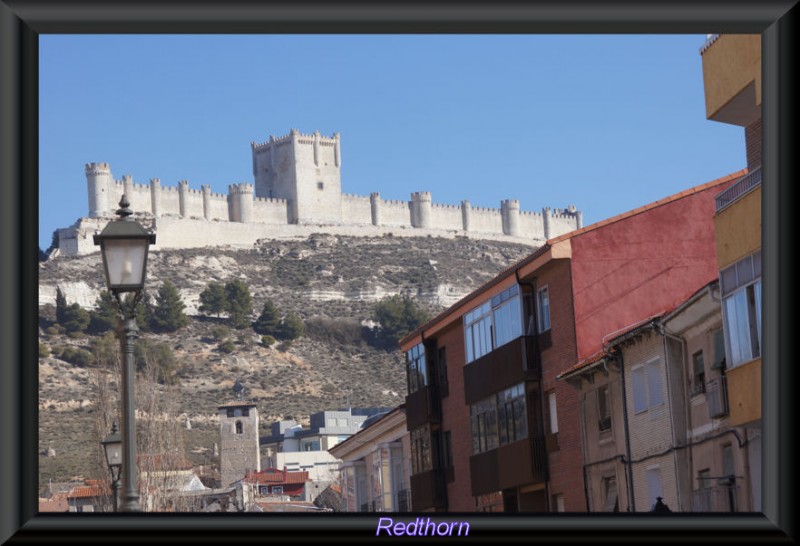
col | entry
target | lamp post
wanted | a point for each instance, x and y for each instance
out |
(112, 446)
(124, 244)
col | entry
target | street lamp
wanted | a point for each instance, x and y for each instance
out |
(112, 446)
(124, 244)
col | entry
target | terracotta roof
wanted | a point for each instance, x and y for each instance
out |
(551, 242)
(275, 476)
(88, 491)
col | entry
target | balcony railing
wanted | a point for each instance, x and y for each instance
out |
(717, 397)
(715, 499)
(404, 500)
(604, 424)
(743, 186)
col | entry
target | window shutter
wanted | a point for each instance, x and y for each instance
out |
(639, 390)
(655, 384)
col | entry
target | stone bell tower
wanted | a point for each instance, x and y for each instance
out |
(239, 442)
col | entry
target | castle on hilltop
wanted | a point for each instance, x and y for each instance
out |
(297, 190)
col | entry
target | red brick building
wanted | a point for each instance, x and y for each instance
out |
(491, 427)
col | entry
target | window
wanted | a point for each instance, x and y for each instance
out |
(484, 425)
(512, 419)
(552, 412)
(416, 368)
(320, 185)
(703, 479)
(499, 419)
(558, 502)
(741, 292)
(727, 461)
(310, 445)
(543, 309)
(421, 459)
(277, 489)
(238, 427)
(654, 486)
(648, 387)
(698, 374)
(492, 324)
(611, 503)
(604, 409)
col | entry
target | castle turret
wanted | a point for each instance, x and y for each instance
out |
(375, 208)
(509, 211)
(206, 201)
(98, 182)
(546, 219)
(183, 198)
(421, 205)
(466, 211)
(155, 196)
(240, 197)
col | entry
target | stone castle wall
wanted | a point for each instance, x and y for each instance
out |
(297, 183)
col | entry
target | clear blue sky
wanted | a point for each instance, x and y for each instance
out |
(607, 123)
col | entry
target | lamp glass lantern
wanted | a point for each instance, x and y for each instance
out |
(124, 244)
(112, 445)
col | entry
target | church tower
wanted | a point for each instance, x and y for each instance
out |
(239, 445)
(305, 170)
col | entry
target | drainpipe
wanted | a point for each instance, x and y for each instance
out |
(686, 402)
(540, 390)
(628, 459)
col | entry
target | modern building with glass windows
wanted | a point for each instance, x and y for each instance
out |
(491, 427)
(732, 78)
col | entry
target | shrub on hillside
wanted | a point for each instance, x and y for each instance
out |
(77, 357)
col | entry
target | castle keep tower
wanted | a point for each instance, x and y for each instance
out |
(304, 170)
(238, 427)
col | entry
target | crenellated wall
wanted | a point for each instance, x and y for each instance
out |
(297, 180)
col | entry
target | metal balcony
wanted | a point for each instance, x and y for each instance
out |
(743, 186)
(717, 397)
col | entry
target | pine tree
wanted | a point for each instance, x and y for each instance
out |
(398, 315)
(240, 303)
(61, 306)
(105, 317)
(76, 318)
(213, 300)
(268, 321)
(168, 315)
(291, 327)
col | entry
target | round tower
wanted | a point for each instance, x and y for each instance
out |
(546, 214)
(241, 202)
(466, 211)
(509, 210)
(206, 201)
(183, 197)
(98, 182)
(375, 208)
(155, 196)
(421, 202)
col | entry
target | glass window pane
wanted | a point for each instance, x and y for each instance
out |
(728, 278)
(757, 264)
(655, 384)
(639, 392)
(737, 327)
(757, 290)
(744, 271)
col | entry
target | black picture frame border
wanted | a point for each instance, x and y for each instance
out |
(21, 22)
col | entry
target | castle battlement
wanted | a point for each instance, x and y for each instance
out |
(304, 191)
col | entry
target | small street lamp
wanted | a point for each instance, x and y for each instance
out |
(112, 446)
(124, 244)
